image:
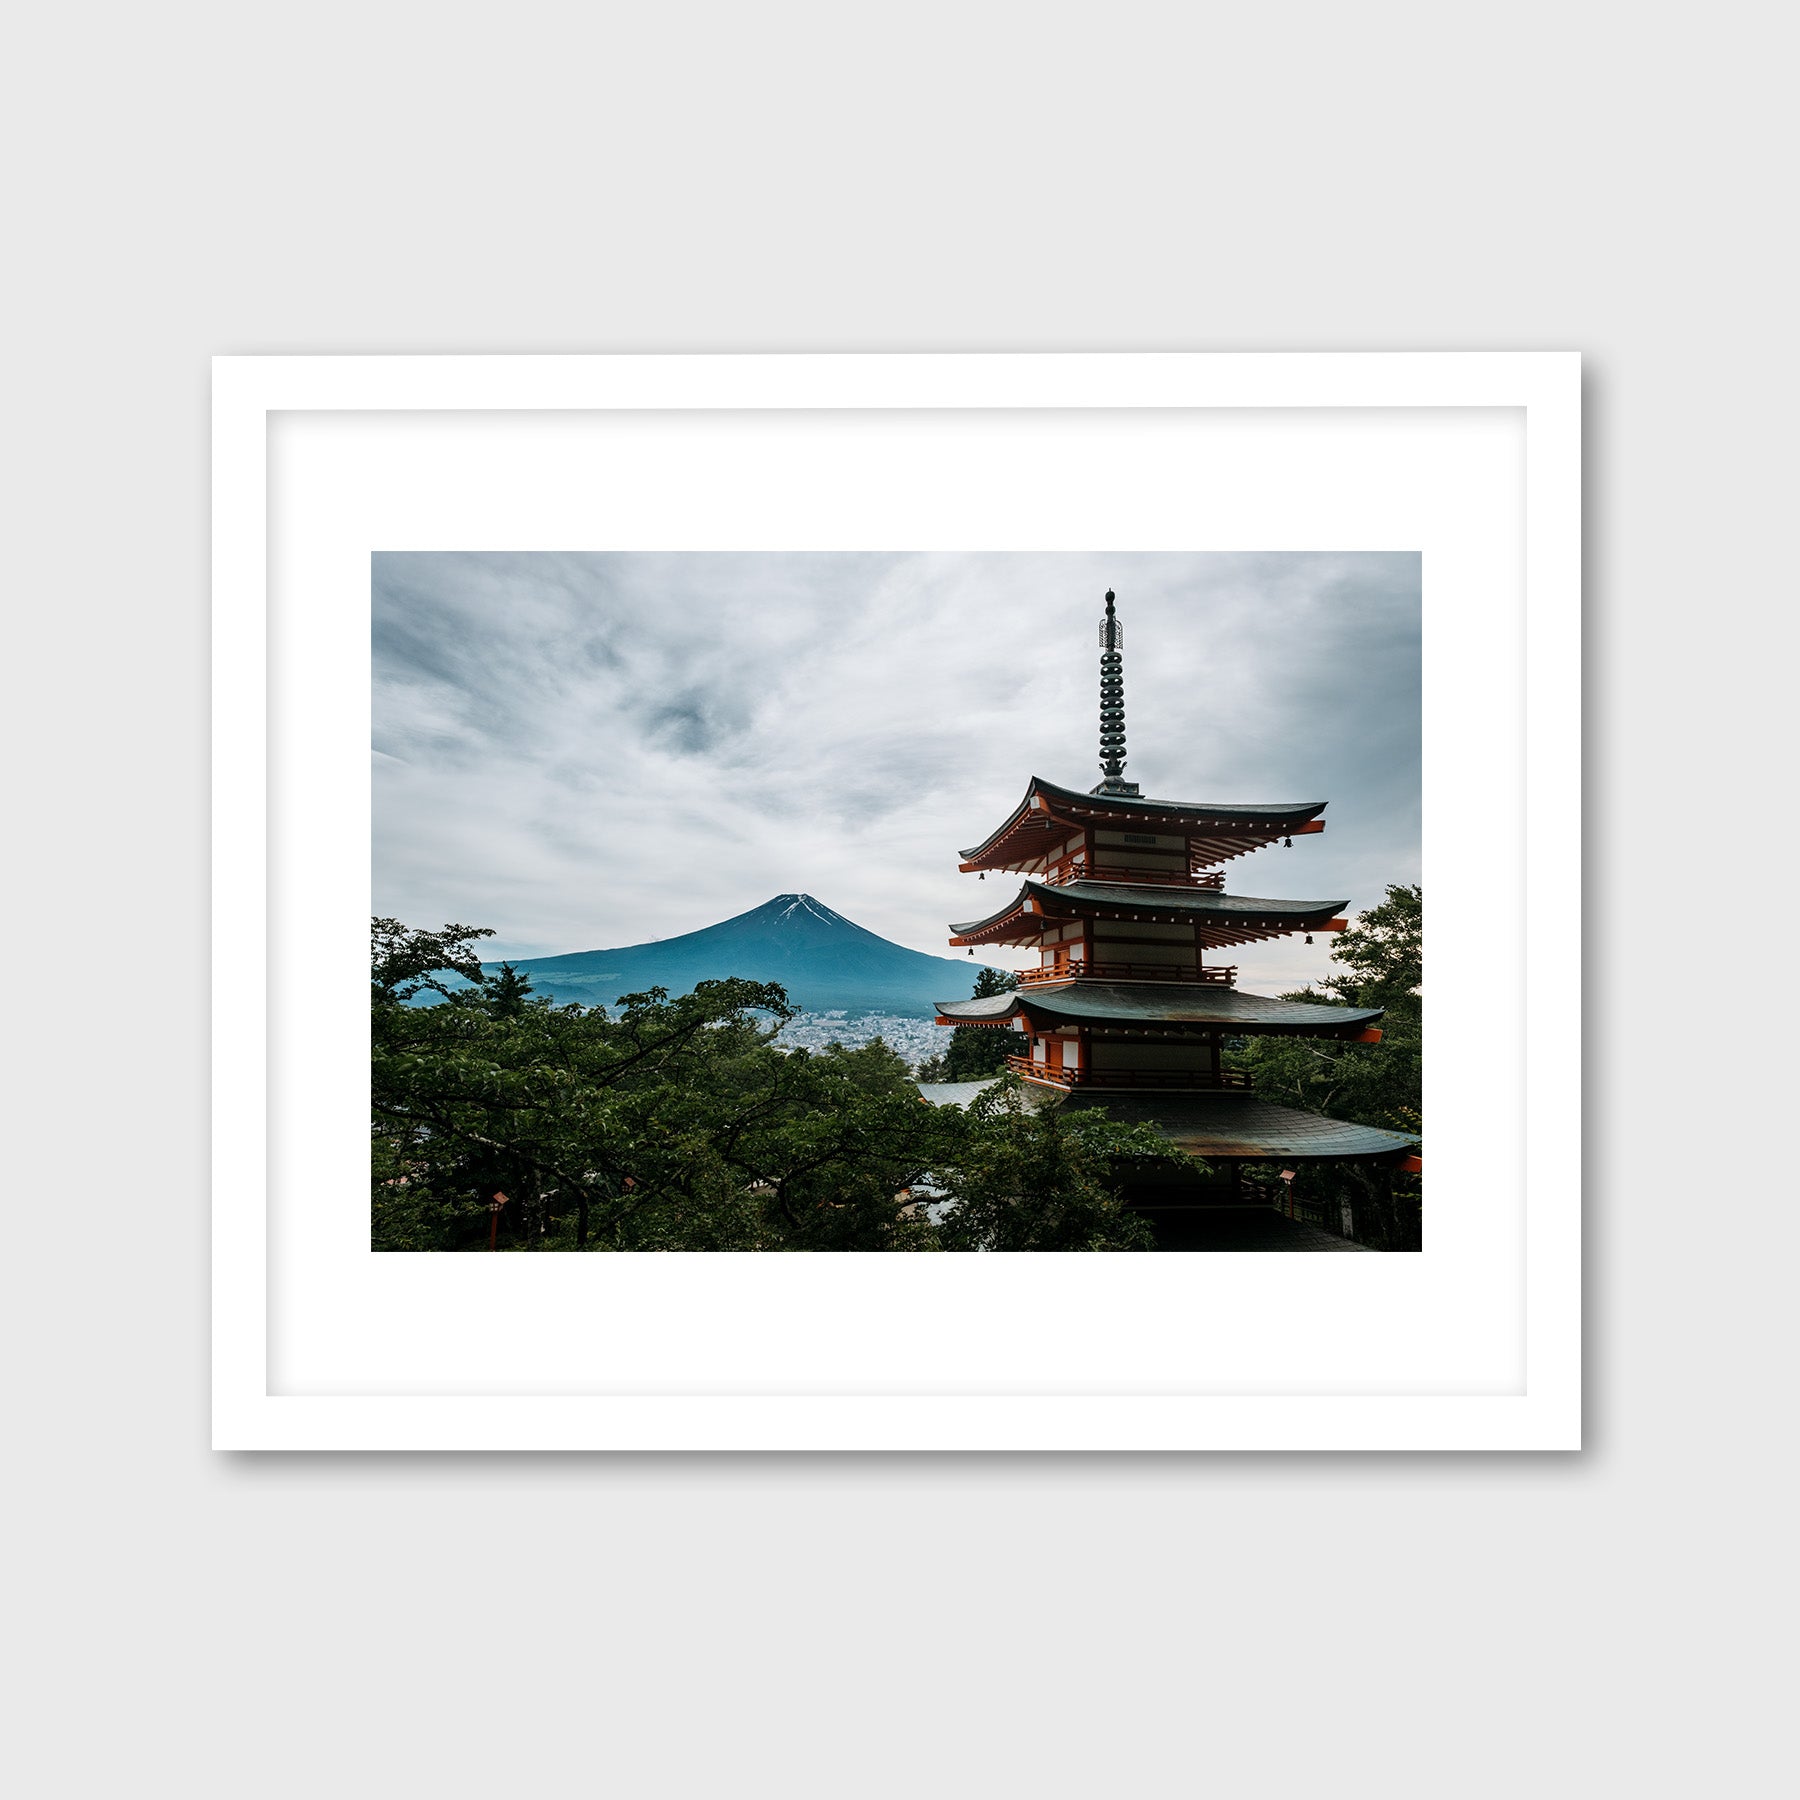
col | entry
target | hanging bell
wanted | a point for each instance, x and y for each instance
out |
(972, 947)
(982, 876)
(1308, 939)
(1287, 843)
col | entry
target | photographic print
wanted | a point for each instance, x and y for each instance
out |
(896, 902)
(777, 840)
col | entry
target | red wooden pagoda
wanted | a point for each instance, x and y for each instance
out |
(1124, 901)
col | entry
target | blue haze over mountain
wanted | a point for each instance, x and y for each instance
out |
(823, 960)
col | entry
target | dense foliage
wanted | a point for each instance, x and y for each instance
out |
(1378, 963)
(675, 1124)
(1029, 1178)
(976, 1052)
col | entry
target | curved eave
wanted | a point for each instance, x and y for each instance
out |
(1221, 919)
(1026, 814)
(1286, 812)
(1221, 831)
(1160, 1007)
(989, 1009)
(1247, 1129)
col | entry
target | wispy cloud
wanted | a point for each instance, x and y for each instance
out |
(584, 750)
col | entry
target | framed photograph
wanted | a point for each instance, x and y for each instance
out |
(893, 897)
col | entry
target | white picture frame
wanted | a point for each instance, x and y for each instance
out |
(319, 459)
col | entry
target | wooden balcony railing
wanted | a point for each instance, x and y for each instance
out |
(1067, 968)
(1197, 1080)
(1074, 867)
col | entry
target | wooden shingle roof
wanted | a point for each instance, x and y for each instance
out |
(1163, 1003)
(1222, 918)
(1225, 828)
(1241, 1126)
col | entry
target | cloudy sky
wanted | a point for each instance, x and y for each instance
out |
(590, 750)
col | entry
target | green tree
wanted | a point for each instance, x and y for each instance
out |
(1040, 1178)
(1377, 962)
(661, 1124)
(1382, 954)
(507, 991)
(404, 962)
(548, 1105)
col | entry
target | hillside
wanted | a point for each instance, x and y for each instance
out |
(824, 961)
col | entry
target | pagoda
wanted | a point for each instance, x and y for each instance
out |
(1123, 898)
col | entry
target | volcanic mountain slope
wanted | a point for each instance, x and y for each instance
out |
(823, 960)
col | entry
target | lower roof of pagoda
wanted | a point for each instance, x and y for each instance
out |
(1157, 1005)
(1221, 918)
(1244, 1127)
(1219, 830)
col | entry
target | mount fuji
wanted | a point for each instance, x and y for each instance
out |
(824, 961)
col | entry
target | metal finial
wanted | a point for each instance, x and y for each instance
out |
(1112, 705)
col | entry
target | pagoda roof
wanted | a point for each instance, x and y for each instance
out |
(1243, 1126)
(1164, 1003)
(1222, 918)
(1227, 828)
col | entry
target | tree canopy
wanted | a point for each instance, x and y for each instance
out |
(676, 1124)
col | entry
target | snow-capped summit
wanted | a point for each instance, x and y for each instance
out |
(824, 960)
(789, 904)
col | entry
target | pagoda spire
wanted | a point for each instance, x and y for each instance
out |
(1112, 706)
